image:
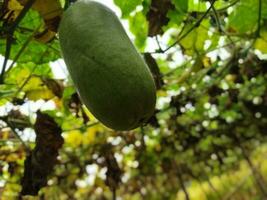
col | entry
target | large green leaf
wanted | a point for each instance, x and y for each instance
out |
(195, 40)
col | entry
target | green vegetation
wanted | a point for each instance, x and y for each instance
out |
(206, 138)
(235, 184)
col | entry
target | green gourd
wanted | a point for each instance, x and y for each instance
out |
(109, 74)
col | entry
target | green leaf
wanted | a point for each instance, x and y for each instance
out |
(181, 5)
(21, 71)
(176, 18)
(195, 40)
(34, 52)
(32, 20)
(261, 43)
(146, 5)
(6, 93)
(139, 27)
(264, 10)
(127, 6)
(244, 18)
(197, 6)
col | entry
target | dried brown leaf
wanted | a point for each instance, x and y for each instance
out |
(40, 162)
(157, 16)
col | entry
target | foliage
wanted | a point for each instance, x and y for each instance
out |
(227, 186)
(208, 59)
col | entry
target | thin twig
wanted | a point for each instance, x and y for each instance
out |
(217, 79)
(181, 66)
(80, 128)
(228, 6)
(220, 28)
(27, 149)
(25, 29)
(192, 28)
(159, 47)
(160, 51)
(201, 54)
(10, 125)
(217, 19)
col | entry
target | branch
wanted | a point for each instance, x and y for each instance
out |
(217, 19)
(228, 6)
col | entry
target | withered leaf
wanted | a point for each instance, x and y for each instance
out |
(41, 160)
(75, 104)
(114, 172)
(50, 11)
(154, 68)
(3, 8)
(56, 86)
(157, 16)
(153, 121)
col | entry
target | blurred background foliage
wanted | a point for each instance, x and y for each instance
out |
(206, 140)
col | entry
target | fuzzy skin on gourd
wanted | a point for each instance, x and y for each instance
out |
(111, 77)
